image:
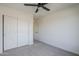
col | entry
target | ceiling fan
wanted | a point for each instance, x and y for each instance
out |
(42, 5)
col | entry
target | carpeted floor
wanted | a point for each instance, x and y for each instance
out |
(37, 49)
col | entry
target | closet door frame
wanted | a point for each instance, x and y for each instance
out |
(3, 33)
(2, 18)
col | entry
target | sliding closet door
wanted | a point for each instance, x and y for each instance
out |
(22, 31)
(10, 32)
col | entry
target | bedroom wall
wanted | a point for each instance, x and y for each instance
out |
(19, 14)
(60, 29)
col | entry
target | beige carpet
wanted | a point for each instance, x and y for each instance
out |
(37, 49)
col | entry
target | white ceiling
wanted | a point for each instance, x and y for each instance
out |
(41, 13)
(18, 6)
(53, 7)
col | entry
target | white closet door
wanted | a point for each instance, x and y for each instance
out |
(10, 32)
(22, 31)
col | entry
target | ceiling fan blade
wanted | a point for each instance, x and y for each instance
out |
(45, 8)
(36, 10)
(41, 4)
(44, 3)
(30, 5)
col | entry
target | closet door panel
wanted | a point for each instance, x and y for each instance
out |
(10, 32)
(22, 31)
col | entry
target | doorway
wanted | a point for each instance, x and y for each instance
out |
(36, 29)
